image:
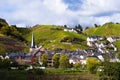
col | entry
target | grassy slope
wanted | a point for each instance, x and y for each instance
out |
(117, 44)
(23, 30)
(8, 44)
(50, 38)
(107, 29)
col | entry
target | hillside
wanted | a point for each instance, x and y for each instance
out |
(54, 37)
(10, 38)
(8, 44)
(49, 36)
(108, 29)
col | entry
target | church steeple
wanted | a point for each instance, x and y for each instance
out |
(32, 41)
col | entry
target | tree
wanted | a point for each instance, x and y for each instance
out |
(55, 60)
(106, 57)
(1, 62)
(87, 28)
(76, 26)
(79, 28)
(44, 59)
(3, 23)
(78, 65)
(64, 61)
(65, 26)
(92, 64)
(15, 33)
(11, 31)
(6, 63)
(110, 71)
(96, 25)
(14, 64)
(118, 55)
(5, 30)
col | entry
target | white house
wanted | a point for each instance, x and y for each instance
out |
(100, 57)
(115, 48)
(101, 50)
(102, 45)
(91, 40)
(76, 58)
(74, 61)
(89, 43)
(113, 39)
(6, 57)
(1, 57)
(70, 30)
(110, 39)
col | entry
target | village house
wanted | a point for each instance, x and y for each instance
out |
(113, 39)
(98, 51)
(91, 40)
(82, 55)
(70, 30)
(77, 57)
(29, 58)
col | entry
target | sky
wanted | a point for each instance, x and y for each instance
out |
(60, 12)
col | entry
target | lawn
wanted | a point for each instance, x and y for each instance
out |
(48, 74)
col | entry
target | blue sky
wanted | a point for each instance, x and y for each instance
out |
(60, 12)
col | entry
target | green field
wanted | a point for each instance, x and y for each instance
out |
(50, 37)
(108, 29)
(46, 75)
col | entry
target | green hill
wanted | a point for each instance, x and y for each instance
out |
(108, 29)
(10, 38)
(8, 44)
(53, 37)
(50, 36)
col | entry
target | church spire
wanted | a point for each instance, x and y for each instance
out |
(32, 41)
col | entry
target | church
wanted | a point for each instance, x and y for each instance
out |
(34, 54)
(27, 58)
(35, 51)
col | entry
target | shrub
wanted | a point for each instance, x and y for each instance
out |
(92, 64)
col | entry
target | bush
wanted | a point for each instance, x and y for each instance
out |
(14, 64)
(92, 65)
(39, 71)
(111, 71)
(23, 67)
(71, 71)
(5, 63)
(78, 65)
(36, 71)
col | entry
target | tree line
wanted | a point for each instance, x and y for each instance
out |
(61, 61)
(10, 30)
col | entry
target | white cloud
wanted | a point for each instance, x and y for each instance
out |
(56, 6)
(31, 12)
(37, 12)
(99, 11)
(94, 7)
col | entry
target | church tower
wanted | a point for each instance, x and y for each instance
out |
(32, 47)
